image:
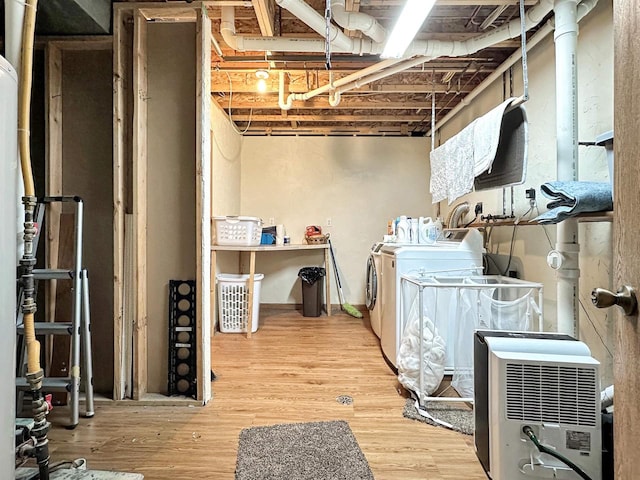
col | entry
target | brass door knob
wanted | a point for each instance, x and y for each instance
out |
(625, 298)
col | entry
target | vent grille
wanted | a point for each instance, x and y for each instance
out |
(552, 394)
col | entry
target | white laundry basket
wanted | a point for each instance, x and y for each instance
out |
(233, 305)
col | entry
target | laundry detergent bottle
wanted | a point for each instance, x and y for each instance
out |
(435, 230)
(424, 224)
(414, 230)
(402, 230)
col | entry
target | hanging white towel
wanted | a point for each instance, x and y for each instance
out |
(439, 176)
(487, 136)
(456, 163)
(461, 165)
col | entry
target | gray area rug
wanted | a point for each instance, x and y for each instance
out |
(301, 451)
(456, 417)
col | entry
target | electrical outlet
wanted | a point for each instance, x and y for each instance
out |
(530, 193)
(478, 209)
(329, 222)
(272, 221)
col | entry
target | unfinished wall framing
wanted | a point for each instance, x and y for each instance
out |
(79, 160)
(162, 179)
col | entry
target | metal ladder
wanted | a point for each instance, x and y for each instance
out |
(79, 328)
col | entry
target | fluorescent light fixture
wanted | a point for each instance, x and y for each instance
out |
(411, 19)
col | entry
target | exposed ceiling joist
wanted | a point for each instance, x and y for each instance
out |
(399, 104)
(243, 101)
(454, 3)
(265, 12)
(249, 86)
(332, 118)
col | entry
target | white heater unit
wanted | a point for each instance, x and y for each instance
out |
(542, 388)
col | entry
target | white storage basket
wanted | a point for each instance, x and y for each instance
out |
(233, 305)
(232, 230)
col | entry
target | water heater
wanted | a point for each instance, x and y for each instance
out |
(8, 233)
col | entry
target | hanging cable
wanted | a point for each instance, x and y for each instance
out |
(237, 130)
(523, 39)
(528, 431)
(433, 114)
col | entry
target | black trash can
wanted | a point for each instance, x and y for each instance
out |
(312, 290)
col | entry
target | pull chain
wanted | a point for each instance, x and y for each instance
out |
(327, 45)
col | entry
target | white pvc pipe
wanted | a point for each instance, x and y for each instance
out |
(304, 12)
(243, 43)
(407, 64)
(545, 30)
(361, 46)
(583, 9)
(286, 105)
(420, 48)
(437, 48)
(566, 40)
(367, 24)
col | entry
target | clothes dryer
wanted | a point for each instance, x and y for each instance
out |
(457, 252)
(373, 290)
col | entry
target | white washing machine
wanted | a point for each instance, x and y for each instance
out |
(457, 252)
(373, 290)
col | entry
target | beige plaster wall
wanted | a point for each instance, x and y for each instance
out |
(358, 182)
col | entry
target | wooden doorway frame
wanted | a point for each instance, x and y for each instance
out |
(130, 166)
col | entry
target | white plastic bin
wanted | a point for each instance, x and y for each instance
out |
(245, 231)
(233, 305)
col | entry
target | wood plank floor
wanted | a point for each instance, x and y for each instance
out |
(291, 370)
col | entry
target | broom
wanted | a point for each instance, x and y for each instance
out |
(348, 308)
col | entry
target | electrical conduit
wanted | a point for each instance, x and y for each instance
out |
(35, 373)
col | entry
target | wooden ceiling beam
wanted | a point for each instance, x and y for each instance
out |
(347, 103)
(429, 68)
(377, 89)
(265, 13)
(337, 130)
(338, 119)
(443, 3)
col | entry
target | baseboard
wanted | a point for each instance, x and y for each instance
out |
(335, 308)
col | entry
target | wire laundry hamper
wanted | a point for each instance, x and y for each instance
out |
(440, 316)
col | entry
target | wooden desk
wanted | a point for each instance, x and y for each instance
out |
(252, 271)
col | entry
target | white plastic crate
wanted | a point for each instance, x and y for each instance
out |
(232, 230)
(233, 305)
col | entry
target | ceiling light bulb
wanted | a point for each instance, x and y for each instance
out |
(411, 19)
(261, 85)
